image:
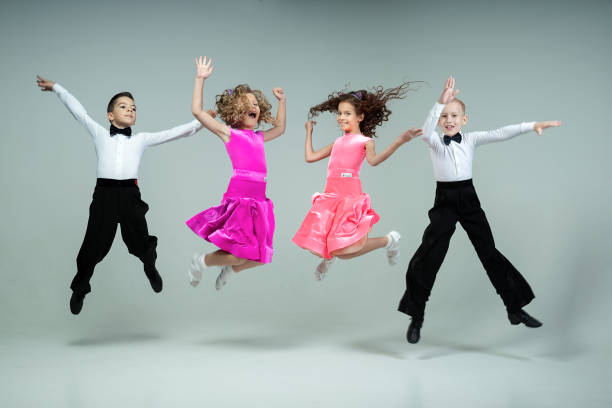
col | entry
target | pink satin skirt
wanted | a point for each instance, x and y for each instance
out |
(338, 218)
(243, 224)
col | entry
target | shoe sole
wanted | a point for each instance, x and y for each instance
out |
(516, 322)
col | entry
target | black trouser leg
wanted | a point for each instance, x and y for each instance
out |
(101, 229)
(426, 262)
(134, 229)
(507, 280)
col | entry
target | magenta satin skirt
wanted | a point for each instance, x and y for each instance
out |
(243, 224)
(338, 218)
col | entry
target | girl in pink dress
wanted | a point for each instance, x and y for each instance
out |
(241, 227)
(340, 219)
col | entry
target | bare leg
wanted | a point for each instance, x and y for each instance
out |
(314, 253)
(221, 258)
(246, 265)
(351, 248)
(361, 247)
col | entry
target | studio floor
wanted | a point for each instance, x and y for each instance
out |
(271, 367)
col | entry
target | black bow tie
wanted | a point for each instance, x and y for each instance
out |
(455, 138)
(125, 131)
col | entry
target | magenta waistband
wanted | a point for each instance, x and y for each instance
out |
(241, 187)
(342, 173)
(250, 175)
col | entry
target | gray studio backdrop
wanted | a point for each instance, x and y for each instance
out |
(547, 198)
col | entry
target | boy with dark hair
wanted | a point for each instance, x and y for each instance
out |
(116, 198)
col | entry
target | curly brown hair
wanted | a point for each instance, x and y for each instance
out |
(371, 103)
(233, 104)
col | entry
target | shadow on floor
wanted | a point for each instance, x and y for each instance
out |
(257, 342)
(111, 339)
(445, 348)
(382, 346)
(564, 352)
(396, 347)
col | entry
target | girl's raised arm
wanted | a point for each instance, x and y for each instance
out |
(375, 159)
(309, 153)
(281, 114)
(203, 71)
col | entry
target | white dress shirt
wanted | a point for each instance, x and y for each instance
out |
(119, 155)
(453, 162)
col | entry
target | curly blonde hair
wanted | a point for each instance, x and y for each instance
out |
(233, 104)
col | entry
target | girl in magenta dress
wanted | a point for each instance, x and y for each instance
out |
(341, 218)
(242, 226)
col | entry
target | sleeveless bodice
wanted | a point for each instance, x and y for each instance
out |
(347, 156)
(246, 151)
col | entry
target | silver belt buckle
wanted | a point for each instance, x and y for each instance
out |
(346, 175)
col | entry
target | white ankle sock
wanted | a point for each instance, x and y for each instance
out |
(196, 268)
(227, 272)
(322, 268)
(393, 249)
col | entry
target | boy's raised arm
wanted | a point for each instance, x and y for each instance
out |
(510, 131)
(429, 127)
(187, 129)
(74, 106)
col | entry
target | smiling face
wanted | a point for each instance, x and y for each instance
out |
(452, 118)
(124, 112)
(348, 119)
(251, 117)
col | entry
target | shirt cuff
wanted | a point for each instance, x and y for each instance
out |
(197, 124)
(57, 87)
(527, 127)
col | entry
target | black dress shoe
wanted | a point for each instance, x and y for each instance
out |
(154, 279)
(523, 317)
(76, 302)
(414, 331)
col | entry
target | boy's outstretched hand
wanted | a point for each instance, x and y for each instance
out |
(449, 92)
(540, 126)
(44, 84)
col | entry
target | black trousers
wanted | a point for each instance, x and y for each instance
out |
(114, 202)
(457, 201)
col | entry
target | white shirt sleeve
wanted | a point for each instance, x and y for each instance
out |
(501, 134)
(188, 129)
(429, 127)
(77, 110)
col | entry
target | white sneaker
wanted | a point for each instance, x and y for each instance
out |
(196, 269)
(393, 250)
(226, 273)
(323, 268)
